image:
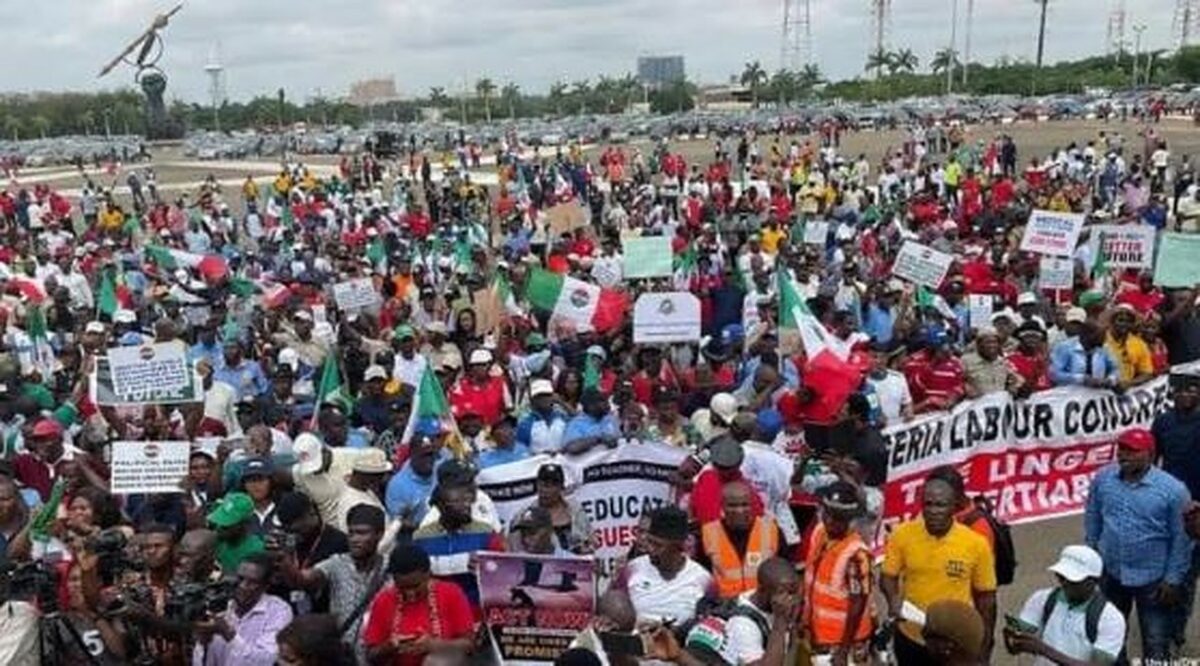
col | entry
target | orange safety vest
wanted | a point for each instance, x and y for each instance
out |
(828, 599)
(733, 574)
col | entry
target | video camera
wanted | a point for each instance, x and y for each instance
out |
(189, 602)
(281, 540)
(111, 546)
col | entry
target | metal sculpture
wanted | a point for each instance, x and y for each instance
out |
(151, 79)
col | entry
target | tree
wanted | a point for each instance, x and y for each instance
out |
(558, 95)
(809, 77)
(41, 125)
(943, 60)
(579, 93)
(784, 86)
(674, 97)
(438, 97)
(754, 77)
(606, 90)
(87, 120)
(511, 94)
(630, 88)
(12, 127)
(879, 61)
(485, 88)
(904, 60)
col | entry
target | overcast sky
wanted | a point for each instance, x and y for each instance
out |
(310, 45)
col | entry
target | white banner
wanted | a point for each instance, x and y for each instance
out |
(921, 264)
(148, 467)
(1124, 245)
(614, 487)
(1052, 233)
(666, 317)
(355, 294)
(816, 232)
(154, 369)
(1056, 273)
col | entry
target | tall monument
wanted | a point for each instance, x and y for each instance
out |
(153, 82)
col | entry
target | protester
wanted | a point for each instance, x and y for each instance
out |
(246, 632)
(837, 580)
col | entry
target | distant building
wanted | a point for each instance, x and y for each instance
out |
(658, 71)
(732, 96)
(371, 92)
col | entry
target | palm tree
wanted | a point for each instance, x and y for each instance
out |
(905, 60)
(12, 126)
(580, 91)
(630, 86)
(943, 60)
(86, 120)
(809, 77)
(437, 96)
(511, 94)
(879, 61)
(754, 77)
(783, 86)
(485, 88)
(41, 125)
(558, 94)
(606, 91)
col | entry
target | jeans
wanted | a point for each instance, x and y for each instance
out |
(1157, 622)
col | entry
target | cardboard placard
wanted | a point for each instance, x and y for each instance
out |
(666, 317)
(1051, 233)
(1056, 273)
(647, 257)
(148, 467)
(921, 264)
(355, 294)
(1123, 245)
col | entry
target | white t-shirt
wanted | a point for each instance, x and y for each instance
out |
(656, 599)
(745, 642)
(1066, 629)
(892, 392)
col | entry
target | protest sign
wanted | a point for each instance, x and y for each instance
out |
(666, 317)
(979, 309)
(1052, 233)
(1123, 245)
(534, 606)
(1034, 458)
(614, 487)
(816, 232)
(148, 374)
(148, 467)
(921, 264)
(1056, 273)
(647, 257)
(197, 315)
(355, 294)
(565, 218)
(1178, 262)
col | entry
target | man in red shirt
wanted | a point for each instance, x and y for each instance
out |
(726, 456)
(478, 391)
(935, 375)
(1030, 359)
(416, 616)
(1145, 298)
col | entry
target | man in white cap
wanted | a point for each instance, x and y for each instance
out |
(1072, 623)
(300, 337)
(542, 428)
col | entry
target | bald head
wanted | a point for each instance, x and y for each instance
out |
(196, 553)
(736, 510)
(615, 607)
(777, 575)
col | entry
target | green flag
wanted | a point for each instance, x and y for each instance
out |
(106, 301)
(430, 399)
(376, 252)
(39, 528)
(242, 287)
(331, 388)
(1099, 265)
(924, 298)
(285, 216)
(591, 373)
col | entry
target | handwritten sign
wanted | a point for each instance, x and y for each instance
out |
(816, 232)
(647, 257)
(1056, 273)
(355, 294)
(1051, 233)
(148, 467)
(921, 264)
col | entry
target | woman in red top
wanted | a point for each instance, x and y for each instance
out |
(416, 616)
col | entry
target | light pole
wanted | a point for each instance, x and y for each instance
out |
(1137, 50)
(953, 39)
(967, 42)
(1041, 49)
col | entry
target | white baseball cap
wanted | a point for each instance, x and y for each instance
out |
(375, 372)
(307, 448)
(1076, 314)
(1078, 563)
(480, 357)
(1027, 298)
(724, 405)
(541, 387)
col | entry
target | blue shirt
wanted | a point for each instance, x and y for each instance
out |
(248, 379)
(542, 434)
(408, 491)
(1138, 527)
(1069, 363)
(879, 323)
(583, 426)
(494, 457)
(214, 353)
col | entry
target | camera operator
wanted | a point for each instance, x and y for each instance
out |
(352, 579)
(244, 635)
(307, 540)
(165, 639)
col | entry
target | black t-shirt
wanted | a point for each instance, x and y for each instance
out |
(1182, 338)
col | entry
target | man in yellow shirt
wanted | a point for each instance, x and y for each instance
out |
(772, 235)
(935, 558)
(1130, 350)
(112, 217)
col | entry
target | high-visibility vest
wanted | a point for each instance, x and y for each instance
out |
(828, 600)
(733, 573)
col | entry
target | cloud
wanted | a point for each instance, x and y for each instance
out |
(306, 45)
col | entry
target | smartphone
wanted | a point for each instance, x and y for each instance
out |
(625, 645)
(1017, 624)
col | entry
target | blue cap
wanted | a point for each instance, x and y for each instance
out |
(428, 426)
(130, 339)
(936, 338)
(770, 422)
(733, 332)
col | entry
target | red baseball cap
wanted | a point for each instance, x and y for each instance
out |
(47, 428)
(1138, 439)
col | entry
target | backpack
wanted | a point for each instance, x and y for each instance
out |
(1091, 623)
(1005, 552)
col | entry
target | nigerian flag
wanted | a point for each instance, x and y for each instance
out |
(106, 299)
(332, 389)
(430, 403)
(796, 320)
(579, 302)
(43, 353)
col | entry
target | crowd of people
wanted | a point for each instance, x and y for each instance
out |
(330, 514)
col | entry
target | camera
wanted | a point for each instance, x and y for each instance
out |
(111, 548)
(189, 602)
(281, 540)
